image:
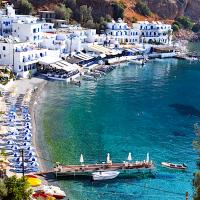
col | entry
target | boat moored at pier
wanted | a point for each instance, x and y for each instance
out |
(108, 166)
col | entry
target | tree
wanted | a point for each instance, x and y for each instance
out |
(3, 189)
(142, 8)
(118, 10)
(175, 27)
(85, 14)
(90, 24)
(196, 28)
(185, 22)
(25, 7)
(17, 189)
(70, 3)
(62, 12)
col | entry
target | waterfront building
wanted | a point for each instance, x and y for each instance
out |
(140, 32)
(153, 32)
(22, 57)
(121, 32)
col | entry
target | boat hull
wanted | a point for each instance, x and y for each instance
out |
(99, 176)
(173, 166)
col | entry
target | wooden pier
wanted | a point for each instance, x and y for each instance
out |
(87, 170)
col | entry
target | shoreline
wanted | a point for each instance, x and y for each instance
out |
(34, 126)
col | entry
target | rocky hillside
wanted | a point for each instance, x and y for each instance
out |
(166, 9)
(161, 9)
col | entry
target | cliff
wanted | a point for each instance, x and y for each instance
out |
(162, 9)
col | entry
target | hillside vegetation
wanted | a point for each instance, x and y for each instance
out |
(95, 13)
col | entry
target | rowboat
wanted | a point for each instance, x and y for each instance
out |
(104, 175)
(174, 166)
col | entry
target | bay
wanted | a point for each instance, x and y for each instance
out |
(132, 109)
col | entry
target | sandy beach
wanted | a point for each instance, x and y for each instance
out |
(21, 87)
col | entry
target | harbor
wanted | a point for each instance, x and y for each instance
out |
(68, 91)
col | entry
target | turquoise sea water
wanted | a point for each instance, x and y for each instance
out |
(132, 109)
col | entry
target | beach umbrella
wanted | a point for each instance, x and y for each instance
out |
(81, 159)
(26, 130)
(26, 144)
(32, 159)
(10, 137)
(108, 158)
(29, 148)
(34, 164)
(27, 124)
(28, 135)
(14, 147)
(10, 142)
(147, 159)
(129, 157)
(16, 154)
(27, 138)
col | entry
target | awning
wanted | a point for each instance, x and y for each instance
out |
(48, 60)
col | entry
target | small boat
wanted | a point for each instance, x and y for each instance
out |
(139, 62)
(53, 191)
(174, 166)
(104, 175)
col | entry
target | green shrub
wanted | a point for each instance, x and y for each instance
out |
(196, 28)
(62, 12)
(17, 188)
(185, 22)
(25, 7)
(85, 14)
(118, 10)
(175, 27)
(142, 8)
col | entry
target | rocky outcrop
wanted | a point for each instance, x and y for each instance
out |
(170, 9)
(193, 10)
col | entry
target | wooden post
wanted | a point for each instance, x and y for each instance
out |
(186, 195)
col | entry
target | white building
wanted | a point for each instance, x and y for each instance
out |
(6, 16)
(154, 32)
(121, 32)
(30, 29)
(21, 57)
(69, 40)
(142, 31)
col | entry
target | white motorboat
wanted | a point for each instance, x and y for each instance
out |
(139, 62)
(174, 166)
(104, 175)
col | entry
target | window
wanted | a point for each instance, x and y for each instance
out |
(4, 48)
(34, 30)
(0, 56)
